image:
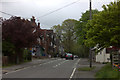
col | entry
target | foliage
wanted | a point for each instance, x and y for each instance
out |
(104, 29)
(86, 68)
(80, 50)
(80, 30)
(57, 29)
(81, 26)
(8, 48)
(26, 54)
(107, 72)
(66, 34)
(19, 32)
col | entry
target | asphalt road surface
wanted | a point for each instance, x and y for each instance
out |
(58, 68)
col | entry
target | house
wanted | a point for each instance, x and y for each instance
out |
(103, 56)
(47, 41)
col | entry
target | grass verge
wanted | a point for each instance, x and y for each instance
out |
(86, 68)
(107, 72)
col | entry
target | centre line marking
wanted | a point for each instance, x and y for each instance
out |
(29, 67)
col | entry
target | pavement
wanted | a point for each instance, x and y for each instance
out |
(87, 74)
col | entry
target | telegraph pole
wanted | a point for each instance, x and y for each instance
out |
(90, 10)
(90, 54)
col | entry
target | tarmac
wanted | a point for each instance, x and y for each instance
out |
(24, 65)
(78, 74)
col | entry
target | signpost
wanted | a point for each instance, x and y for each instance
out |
(116, 60)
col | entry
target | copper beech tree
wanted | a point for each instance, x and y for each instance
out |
(19, 32)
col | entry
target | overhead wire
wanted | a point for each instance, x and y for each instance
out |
(48, 12)
(58, 9)
(6, 13)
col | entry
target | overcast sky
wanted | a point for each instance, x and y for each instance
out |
(38, 8)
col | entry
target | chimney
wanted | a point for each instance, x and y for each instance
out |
(18, 17)
(33, 19)
(38, 25)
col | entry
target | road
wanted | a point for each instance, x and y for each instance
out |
(58, 68)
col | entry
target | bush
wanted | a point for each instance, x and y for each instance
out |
(7, 48)
(27, 54)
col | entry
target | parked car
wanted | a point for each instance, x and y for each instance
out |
(75, 56)
(69, 56)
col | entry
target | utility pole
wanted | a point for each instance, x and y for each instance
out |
(90, 54)
(90, 10)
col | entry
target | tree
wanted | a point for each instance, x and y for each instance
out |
(104, 29)
(81, 26)
(19, 33)
(57, 29)
(81, 31)
(66, 34)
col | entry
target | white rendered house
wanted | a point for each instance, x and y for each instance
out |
(103, 56)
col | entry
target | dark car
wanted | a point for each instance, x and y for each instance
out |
(69, 56)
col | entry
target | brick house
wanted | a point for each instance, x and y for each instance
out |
(47, 42)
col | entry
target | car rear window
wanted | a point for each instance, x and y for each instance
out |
(69, 54)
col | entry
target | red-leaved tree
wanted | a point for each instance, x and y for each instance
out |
(19, 32)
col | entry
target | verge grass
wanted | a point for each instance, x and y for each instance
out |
(106, 72)
(86, 68)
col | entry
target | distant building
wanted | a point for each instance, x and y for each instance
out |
(47, 41)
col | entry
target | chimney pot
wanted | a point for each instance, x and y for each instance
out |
(39, 25)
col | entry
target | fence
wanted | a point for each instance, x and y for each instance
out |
(4, 60)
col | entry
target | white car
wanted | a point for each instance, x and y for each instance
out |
(75, 56)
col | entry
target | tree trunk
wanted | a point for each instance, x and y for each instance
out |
(19, 56)
(111, 58)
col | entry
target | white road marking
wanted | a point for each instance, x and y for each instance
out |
(17, 70)
(30, 67)
(74, 69)
(72, 73)
(59, 64)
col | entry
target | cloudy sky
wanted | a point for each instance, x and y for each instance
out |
(49, 12)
